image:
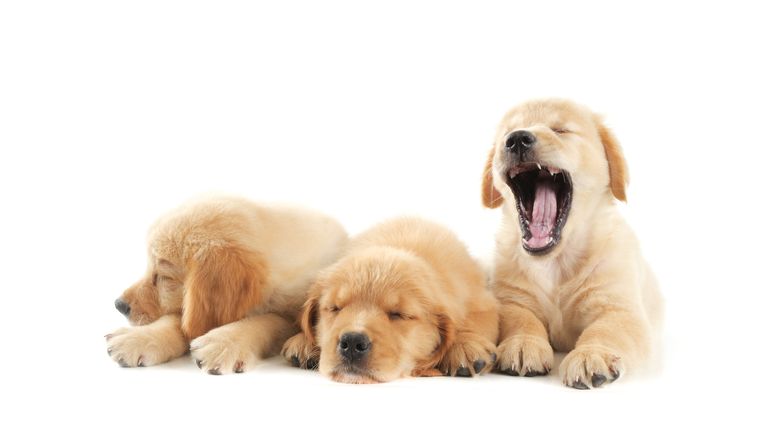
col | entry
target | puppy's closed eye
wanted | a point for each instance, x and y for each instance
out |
(395, 316)
(156, 277)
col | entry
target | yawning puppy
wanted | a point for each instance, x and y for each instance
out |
(228, 274)
(405, 299)
(568, 270)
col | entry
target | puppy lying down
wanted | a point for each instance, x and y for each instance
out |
(227, 274)
(568, 271)
(406, 299)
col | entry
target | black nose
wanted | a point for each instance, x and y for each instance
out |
(122, 307)
(354, 346)
(520, 141)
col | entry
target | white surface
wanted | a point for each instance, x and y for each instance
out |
(112, 113)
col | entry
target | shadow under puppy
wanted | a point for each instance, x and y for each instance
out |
(568, 270)
(227, 274)
(406, 299)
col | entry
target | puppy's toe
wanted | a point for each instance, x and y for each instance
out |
(524, 355)
(479, 365)
(136, 347)
(300, 353)
(590, 366)
(221, 352)
(470, 355)
(464, 372)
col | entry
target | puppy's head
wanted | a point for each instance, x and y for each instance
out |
(557, 162)
(197, 267)
(375, 316)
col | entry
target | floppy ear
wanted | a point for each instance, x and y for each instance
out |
(491, 197)
(617, 165)
(308, 315)
(222, 285)
(447, 335)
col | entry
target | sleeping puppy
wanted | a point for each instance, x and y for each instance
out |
(407, 299)
(568, 270)
(227, 274)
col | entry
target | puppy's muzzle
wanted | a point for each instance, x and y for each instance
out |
(123, 307)
(520, 142)
(354, 346)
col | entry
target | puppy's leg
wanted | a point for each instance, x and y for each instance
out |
(524, 348)
(301, 353)
(615, 341)
(473, 351)
(148, 345)
(238, 346)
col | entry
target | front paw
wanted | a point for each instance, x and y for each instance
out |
(469, 356)
(138, 347)
(300, 353)
(524, 355)
(590, 366)
(221, 351)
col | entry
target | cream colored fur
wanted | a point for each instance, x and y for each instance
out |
(594, 295)
(228, 275)
(410, 286)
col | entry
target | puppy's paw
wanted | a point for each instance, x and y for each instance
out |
(469, 356)
(525, 355)
(223, 350)
(140, 346)
(590, 366)
(300, 353)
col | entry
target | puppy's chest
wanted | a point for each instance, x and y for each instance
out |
(553, 292)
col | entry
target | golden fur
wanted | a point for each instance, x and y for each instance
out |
(593, 294)
(227, 274)
(413, 290)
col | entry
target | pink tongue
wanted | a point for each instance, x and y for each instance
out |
(544, 213)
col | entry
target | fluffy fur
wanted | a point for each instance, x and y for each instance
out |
(412, 289)
(227, 274)
(589, 291)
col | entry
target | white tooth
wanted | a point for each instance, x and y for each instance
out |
(549, 239)
(538, 166)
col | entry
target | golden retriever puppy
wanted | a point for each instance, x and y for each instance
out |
(568, 269)
(227, 274)
(406, 299)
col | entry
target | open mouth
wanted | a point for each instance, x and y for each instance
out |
(543, 196)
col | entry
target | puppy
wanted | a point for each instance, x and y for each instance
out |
(407, 299)
(227, 274)
(568, 269)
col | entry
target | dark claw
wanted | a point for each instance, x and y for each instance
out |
(109, 352)
(199, 363)
(311, 364)
(295, 360)
(462, 371)
(493, 358)
(239, 370)
(214, 372)
(598, 380)
(478, 365)
(510, 372)
(141, 365)
(616, 375)
(579, 385)
(533, 373)
(122, 362)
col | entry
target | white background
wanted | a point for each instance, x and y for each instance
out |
(111, 113)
